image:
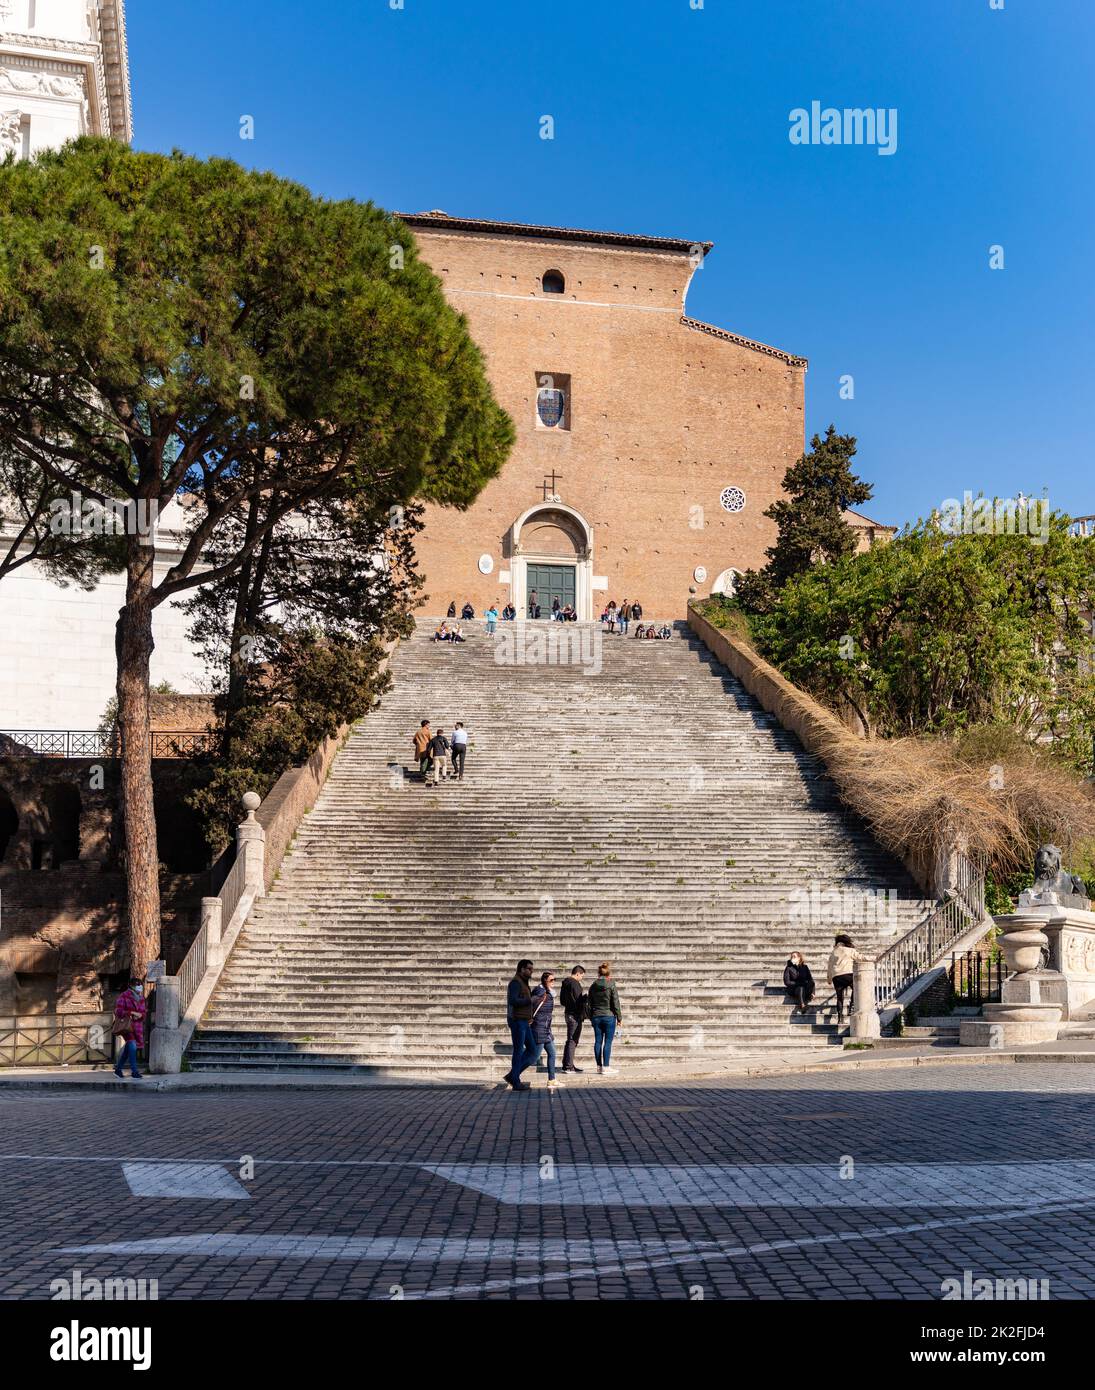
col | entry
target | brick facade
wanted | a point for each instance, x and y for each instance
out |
(663, 414)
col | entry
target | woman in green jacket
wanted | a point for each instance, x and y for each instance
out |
(604, 1014)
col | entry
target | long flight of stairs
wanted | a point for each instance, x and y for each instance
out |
(648, 812)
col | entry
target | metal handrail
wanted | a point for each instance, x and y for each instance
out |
(919, 949)
(93, 743)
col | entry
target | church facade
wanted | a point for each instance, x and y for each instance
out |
(648, 444)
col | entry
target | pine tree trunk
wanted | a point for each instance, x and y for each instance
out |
(134, 655)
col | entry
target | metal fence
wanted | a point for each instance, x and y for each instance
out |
(977, 978)
(42, 1040)
(918, 950)
(91, 743)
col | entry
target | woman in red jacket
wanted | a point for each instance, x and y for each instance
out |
(129, 1012)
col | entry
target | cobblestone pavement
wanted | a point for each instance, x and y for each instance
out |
(817, 1186)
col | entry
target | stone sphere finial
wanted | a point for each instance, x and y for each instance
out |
(251, 802)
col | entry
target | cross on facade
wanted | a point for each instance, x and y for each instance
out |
(549, 490)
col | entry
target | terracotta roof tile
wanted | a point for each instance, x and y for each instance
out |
(437, 218)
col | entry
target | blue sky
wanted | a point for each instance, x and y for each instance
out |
(673, 120)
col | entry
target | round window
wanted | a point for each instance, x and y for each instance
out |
(732, 499)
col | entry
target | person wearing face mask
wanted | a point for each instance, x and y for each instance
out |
(129, 1013)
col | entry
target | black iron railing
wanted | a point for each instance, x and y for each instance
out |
(976, 978)
(930, 940)
(90, 743)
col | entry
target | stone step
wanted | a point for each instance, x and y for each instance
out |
(619, 796)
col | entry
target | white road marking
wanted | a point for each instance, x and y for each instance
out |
(813, 1185)
(206, 1180)
(405, 1249)
(724, 1252)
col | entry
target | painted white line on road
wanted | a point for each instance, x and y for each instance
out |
(405, 1249)
(724, 1252)
(813, 1185)
(205, 1180)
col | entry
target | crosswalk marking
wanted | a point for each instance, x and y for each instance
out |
(206, 1180)
(807, 1185)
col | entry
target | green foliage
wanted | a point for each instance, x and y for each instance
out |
(933, 633)
(314, 684)
(168, 321)
(817, 490)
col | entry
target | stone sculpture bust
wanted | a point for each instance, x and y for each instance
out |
(1052, 884)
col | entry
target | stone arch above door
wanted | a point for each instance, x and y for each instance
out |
(552, 529)
(552, 533)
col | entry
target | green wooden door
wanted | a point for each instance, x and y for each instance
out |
(550, 582)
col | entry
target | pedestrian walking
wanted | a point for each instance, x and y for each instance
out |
(491, 616)
(543, 1006)
(129, 1014)
(450, 612)
(459, 750)
(422, 747)
(798, 982)
(605, 1015)
(573, 999)
(519, 1018)
(439, 747)
(842, 959)
(625, 616)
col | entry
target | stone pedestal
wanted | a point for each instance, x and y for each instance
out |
(165, 1046)
(865, 1021)
(1036, 997)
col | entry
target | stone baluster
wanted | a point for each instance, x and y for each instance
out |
(865, 1020)
(212, 924)
(251, 844)
(165, 1043)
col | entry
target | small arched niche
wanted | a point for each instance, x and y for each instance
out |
(553, 282)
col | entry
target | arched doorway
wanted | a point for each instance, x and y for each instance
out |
(551, 552)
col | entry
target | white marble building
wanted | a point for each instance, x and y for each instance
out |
(64, 72)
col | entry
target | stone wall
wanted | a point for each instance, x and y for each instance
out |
(62, 896)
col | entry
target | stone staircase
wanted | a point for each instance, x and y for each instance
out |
(639, 807)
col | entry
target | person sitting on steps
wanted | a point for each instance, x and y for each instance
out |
(467, 612)
(798, 982)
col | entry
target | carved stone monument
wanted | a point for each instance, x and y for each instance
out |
(1049, 949)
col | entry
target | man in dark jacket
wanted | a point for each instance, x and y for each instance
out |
(438, 748)
(573, 999)
(519, 1017)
